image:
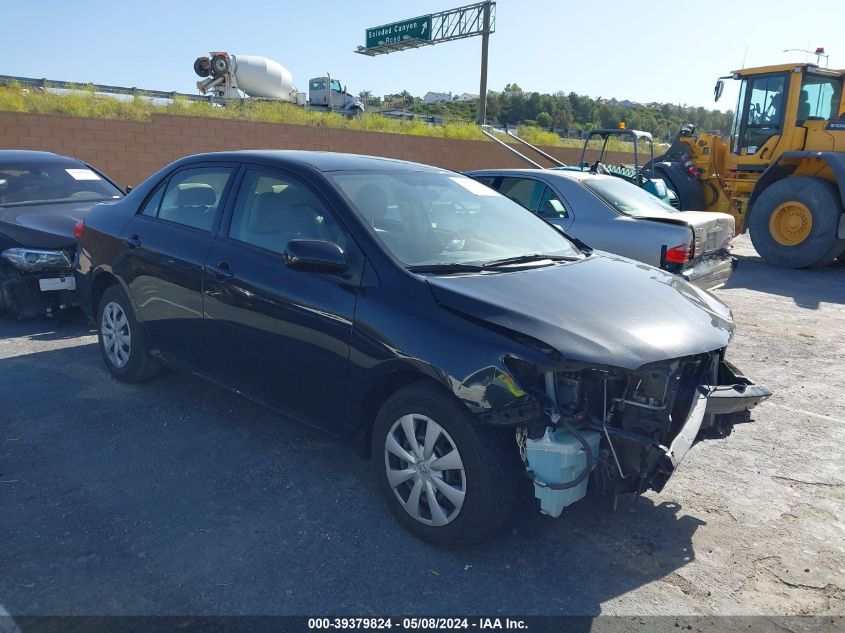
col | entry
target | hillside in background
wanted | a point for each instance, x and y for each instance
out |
(570, 112)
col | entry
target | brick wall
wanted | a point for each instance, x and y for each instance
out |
(129, 151)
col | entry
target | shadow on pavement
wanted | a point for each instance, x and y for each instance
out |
(808, 288)
(175, 497)
(67, 324)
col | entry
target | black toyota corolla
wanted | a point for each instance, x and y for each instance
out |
(458, 340)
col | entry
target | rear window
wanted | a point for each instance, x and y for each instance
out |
(626, 198)
(53, 182)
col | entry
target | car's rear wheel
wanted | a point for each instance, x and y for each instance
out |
(121, 338)
(447, 479)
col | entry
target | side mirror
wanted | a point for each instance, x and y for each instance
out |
(315, 255)
(553, 209)
(128, 188)
(717, 91)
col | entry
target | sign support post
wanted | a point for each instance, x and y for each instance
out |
(482, 93)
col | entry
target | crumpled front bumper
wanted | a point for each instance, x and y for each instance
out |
(22, 296)
(715, 411)
(725, 399)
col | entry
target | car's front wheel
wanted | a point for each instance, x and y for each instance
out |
(448, 480)
(121, 338)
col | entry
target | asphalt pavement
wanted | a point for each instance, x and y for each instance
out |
(176, 497)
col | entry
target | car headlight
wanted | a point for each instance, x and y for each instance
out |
(32, 259)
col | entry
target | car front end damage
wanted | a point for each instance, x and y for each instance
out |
(36, 281)
(615, 430)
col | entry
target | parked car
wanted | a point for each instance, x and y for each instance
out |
(455, 353)
(613, 215)
(42, 197)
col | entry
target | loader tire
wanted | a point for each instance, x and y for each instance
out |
(794, 223)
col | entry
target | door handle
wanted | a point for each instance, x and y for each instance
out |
(132, 242)
(222, 271)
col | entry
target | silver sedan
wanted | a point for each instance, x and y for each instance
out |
(613, 215)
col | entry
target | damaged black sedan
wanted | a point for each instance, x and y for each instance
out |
(42, 197)
(460, 341)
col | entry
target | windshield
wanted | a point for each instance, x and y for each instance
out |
(426, 218)
(626, 198)
(53, 182)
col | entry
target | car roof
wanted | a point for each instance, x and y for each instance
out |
(18, 156)
(322, 161)
(552, 173)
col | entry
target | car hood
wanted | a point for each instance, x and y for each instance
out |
(43, 225)
(605, 309)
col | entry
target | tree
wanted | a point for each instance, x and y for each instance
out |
(544, 119)
(532, 106)
(369, 98)
(563, 118)
(494, 106)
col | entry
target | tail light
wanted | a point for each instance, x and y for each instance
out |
(79, 229)
(681, 254)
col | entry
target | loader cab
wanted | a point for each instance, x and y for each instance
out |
(774, 102)
(760, 111)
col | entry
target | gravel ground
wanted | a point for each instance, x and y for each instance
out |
(175, 497)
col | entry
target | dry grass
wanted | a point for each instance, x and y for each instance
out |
(85, 103)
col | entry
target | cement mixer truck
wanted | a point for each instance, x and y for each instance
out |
(227, 76)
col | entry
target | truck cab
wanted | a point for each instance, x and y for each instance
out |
(329, 93)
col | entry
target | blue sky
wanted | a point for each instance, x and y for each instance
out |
(658, 50)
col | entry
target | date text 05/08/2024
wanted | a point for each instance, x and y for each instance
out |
(414, 624)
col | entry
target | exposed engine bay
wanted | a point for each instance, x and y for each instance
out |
(622, 431)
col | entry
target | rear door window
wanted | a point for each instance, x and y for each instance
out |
(151, 207)
(551, 206)
(525, 191)
(193, 196)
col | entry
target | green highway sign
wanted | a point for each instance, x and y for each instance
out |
(396, 33)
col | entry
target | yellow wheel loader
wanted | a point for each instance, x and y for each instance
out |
(781, 173)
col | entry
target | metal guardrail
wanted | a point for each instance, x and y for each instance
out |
(47, 84)
(54, 84)
(548, 157)
(492, 137)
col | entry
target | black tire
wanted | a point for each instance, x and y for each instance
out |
(824, 203)
(489, 457)
(139, 364)
(7, 301)
(202, 66)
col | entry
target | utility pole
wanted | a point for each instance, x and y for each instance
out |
(482, 96)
